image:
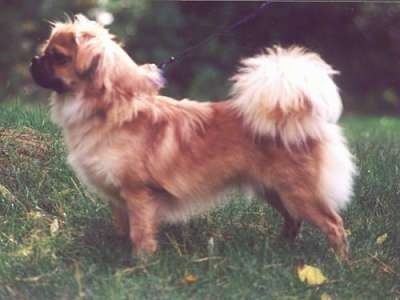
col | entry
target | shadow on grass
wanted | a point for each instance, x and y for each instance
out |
(195, 239)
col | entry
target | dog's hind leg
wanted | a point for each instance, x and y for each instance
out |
(330, 223)
(310, 208)
(291, 226)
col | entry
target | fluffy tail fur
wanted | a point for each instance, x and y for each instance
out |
(287, 94)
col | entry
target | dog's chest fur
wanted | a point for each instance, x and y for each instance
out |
(96, 156)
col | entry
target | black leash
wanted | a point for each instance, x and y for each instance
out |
(215, 35)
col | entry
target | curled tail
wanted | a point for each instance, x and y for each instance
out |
(287, 94)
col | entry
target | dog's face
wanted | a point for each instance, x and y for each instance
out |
(66, 61)
(55, 68)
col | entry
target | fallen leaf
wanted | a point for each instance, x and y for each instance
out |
(325, 296)
(210, 247)
(54, 226)
(381, 239)
(6, 194)
(310, 275)
(190, 279)
(34, 215)
(37, 215)
(23, 252)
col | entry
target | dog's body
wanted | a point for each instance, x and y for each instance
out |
(157, 159)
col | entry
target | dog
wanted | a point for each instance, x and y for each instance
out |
(157, 159)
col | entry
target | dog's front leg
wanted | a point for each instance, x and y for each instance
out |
(142, 209)
(120, 218)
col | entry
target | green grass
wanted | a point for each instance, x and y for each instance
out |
(57, 242)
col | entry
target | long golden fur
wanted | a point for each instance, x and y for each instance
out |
(158, 160)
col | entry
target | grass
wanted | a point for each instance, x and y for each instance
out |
(57, 242)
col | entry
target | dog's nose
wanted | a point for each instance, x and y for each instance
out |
(35, 63)
(35, 60)
(35, 67)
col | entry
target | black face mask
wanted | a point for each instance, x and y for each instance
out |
(43, 74)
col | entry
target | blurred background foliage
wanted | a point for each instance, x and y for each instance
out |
(362, 40)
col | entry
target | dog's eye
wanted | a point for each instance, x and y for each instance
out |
(59, 58)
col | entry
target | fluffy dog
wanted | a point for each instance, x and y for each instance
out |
(158, 160)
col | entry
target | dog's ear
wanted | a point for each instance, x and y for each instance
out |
(107, 67)
(88, 54)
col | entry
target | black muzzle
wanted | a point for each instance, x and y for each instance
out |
(42, 73)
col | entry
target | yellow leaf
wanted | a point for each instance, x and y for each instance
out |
(54, 226)
(381, 239)
(325, 296)
(35, 215)
(310, 275)
(23, 252)
(190, 279)
(6, 194)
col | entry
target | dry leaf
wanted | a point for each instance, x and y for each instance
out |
(6, 194)
(381, 239)
(54, 226)
(190, 279)
(310, 275)
(325, 296)
(23, 252)
(35, 215)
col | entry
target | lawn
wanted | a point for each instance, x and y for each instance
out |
(57, 242)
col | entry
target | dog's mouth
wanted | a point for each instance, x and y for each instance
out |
(43, 75)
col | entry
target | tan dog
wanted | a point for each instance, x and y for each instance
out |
(158, 160)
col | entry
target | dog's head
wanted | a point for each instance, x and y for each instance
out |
(81, 55)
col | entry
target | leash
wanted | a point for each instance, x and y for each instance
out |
(215, 35)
